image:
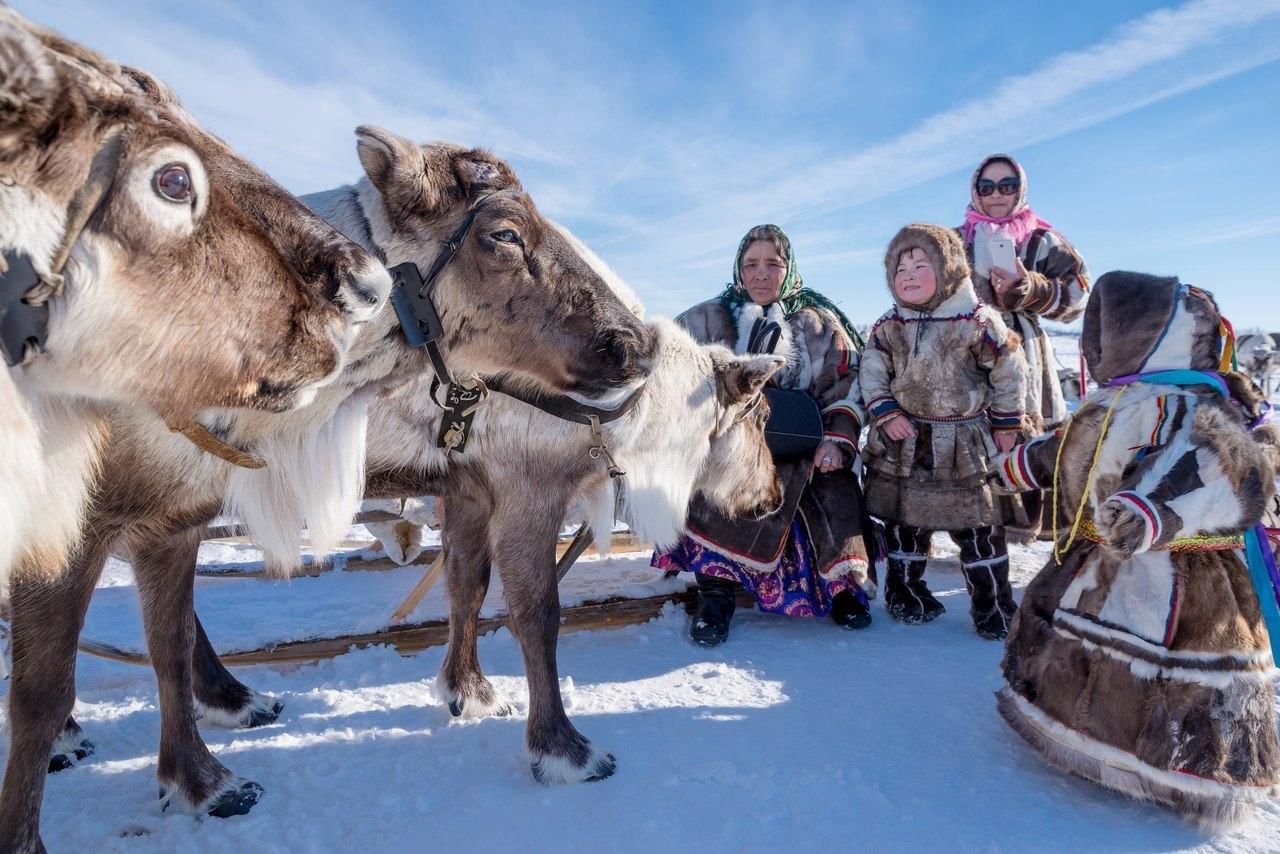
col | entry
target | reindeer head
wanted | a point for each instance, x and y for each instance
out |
(698, 429)
(196, 281)
(738, 476)
(519, 296)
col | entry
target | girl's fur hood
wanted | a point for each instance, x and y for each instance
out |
(944, 250)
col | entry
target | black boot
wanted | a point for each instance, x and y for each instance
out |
(906, 596)
(990, 598)
(849, 611)
(710, 625)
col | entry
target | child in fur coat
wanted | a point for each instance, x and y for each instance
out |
(944, 381)
(1139, 658)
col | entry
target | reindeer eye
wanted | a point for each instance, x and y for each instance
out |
(506, 235)
(173, 182)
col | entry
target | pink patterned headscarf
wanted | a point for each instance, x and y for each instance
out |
(1018, 223)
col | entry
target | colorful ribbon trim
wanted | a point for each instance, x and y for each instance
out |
(1195, 543)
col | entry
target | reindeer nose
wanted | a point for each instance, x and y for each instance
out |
(632, 349)
(362, 289)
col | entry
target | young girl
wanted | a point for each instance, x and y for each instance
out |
(1140, 657)
(944, 382)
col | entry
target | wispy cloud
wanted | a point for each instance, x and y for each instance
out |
(1245, 231)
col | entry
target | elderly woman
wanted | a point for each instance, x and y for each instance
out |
(808, 558)
(1028, 271)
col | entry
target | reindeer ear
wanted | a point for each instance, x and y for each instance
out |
(29, 83)
(397, 168)
(739, 378)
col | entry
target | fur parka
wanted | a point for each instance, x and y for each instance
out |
(1146, 669)
(958, 373)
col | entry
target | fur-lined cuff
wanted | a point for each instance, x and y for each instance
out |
(1004, 421)
(883, 407)
(841, 424)
(1041, 294)
(840, 438)
(1015, 471)
(1146, 511)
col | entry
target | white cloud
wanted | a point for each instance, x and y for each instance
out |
(1245, 231)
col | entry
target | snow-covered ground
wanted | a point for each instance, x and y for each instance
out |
(794, 734)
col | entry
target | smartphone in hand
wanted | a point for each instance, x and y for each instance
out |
(1004, 254)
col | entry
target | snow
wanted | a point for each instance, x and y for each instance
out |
(795, 734)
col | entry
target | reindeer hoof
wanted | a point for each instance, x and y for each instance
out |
(259, 710)
(557, 769)
(263, 717)
(237, 801)
(605, 769)
(236, 797)
(69, 750)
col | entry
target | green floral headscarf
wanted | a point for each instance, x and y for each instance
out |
(793, 296)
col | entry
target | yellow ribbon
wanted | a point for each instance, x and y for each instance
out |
(1058, 547)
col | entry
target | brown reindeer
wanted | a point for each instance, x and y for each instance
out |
(143, 261)
(697, 425)
(516, 286)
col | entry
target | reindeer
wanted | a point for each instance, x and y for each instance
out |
(516, 298)
(1259, 357)
(143, 261)
(696, 425)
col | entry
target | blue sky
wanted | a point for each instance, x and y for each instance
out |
(660, 132)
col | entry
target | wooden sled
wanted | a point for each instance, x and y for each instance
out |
(625, 541)
(414, 637)
(409, 638)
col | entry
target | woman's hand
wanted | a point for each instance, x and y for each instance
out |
(1003, 281)
(898, 427)
(828, 457)
(1005, 441)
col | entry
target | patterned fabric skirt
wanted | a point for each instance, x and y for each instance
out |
(794, 588)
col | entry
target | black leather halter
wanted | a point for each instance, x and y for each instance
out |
(412, 295)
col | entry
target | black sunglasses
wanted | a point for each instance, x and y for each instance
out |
(1006, 186)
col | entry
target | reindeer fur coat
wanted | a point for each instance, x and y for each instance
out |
(955, 370)
(1140, 662)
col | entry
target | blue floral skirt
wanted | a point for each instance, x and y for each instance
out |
(794, 588)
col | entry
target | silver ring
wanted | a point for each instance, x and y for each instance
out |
(826, 459)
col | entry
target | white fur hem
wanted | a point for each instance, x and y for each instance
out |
(758, 566)
(1209, 803)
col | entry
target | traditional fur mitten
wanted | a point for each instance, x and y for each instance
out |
(1128, 523)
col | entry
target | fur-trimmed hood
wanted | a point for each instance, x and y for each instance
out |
(945, 251)
(1136, 323)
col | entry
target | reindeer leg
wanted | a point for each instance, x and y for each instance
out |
(524, 540)
(47, 618)
(461, 683)
(190, 777)
(222, 699)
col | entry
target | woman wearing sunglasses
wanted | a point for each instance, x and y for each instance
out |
(1029, 271)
